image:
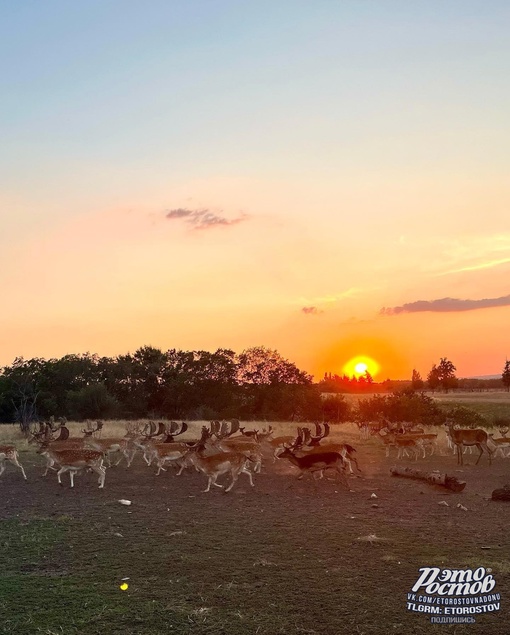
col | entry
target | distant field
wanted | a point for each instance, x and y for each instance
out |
(490, 404)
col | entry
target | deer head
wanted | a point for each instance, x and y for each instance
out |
(173, 429)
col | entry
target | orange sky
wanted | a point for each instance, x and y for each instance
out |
(259, 192)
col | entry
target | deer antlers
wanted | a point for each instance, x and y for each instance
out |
(170, 429)
(224, 428)
(90, 428)
(319, 434)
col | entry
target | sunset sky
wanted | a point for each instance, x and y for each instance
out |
(330, 179)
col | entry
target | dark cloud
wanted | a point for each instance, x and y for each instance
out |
(446, 305)
(203, 218)
(311, 310)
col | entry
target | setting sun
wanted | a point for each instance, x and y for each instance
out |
(360, 365)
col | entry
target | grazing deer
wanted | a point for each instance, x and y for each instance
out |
(10, 453)
(74, 460)
(316, 463)
(468, 437)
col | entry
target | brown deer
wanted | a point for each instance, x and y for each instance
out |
(310, 463)
(74, 460)
(468, 437)
(233, 463)
(311, 445)
(10, 453)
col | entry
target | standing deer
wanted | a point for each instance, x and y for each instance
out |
(468, 437)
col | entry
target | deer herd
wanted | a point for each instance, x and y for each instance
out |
(227, 449)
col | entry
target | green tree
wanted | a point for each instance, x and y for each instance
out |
(417, 382)
(433, 379)
(465, 417)
(443, 376)
(505, 376)
(404, 405)
(92, 402)
(446, 372)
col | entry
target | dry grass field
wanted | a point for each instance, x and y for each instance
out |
(283, 557)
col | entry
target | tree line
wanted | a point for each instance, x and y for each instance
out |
(255, 384)
(442, 377)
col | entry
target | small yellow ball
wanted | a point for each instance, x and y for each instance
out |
(124, 587)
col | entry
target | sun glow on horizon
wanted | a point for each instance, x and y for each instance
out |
(358, 366)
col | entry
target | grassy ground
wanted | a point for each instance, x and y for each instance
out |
(283, 557)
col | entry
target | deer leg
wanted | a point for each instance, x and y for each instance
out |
(245, 470)
(71, 477)
(341, 473)
(102, 474)
(2, 468)
(160, 467)
(130, 455)
(234, 479)
(62, 470)
(49, 466)
(355, 461)
(485, 447)
(276, 454)
(18, 464)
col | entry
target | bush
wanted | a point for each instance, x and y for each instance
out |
(405, 405)
(465, 417)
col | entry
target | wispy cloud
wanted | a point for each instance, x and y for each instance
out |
(331, 299)
(446, 305)
(311, 310)
(476, 267)
(203, 218)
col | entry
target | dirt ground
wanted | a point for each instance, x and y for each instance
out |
(285, 556)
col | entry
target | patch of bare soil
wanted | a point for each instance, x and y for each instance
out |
(285, 556)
